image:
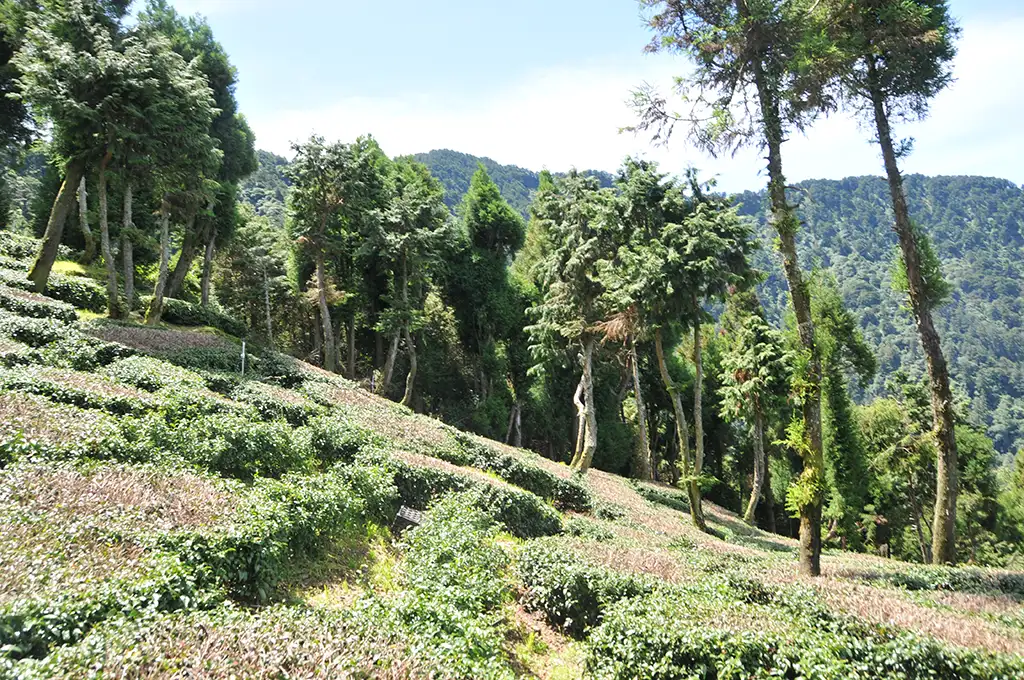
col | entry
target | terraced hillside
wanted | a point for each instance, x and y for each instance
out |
(164, 516)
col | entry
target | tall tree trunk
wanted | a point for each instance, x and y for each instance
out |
(943, 417)
(40, 272)
(389, 364)
(127, 253)
(769, 498)
(204, 284)
(586, 455)
(330, 349)
(698, 412)
(518, 441)
(352, 346)
(922, 544)
(785, 222)
(113, 296)
(266, 309)
(156, 307)
(186, 257)
(581, 421)
(89, 254)
(682, 430)
(760, 466)
(410, 380)
(643, 453)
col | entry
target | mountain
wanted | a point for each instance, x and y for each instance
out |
(977, 224)
(455, 170)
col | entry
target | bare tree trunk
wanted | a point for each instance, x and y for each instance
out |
(643, 455)
(89, 254)
(330, 349)
(922, 543)
(204, 284)
(113, 297)
(682, 430)
(760, 467)
(389, 364)
(518, 441)
(186, 257)
(785, 223)
(410, 379)
(352, 346)
(266, 309)
(698, 411)
(511, 422)
(769, 497)
(943, 416)
(156, 307)
(127, 252)
(590, 408)
(581, 422)
(40, 272)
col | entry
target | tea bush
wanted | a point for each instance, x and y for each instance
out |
(521, 513)
(185, 313)
(29, 304)
(571, 592)
(152, 374)
(77, 388)
(16, 246)
(276, 403)
(335, 439)
(78, 291)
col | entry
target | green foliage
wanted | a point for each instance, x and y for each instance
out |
(276, 403)
(77, 388)
(153, 375)
(78, 291)
(668, 635)
(572, 593)
(24, 303)
(185, 313)
(336, 439)
(521, 513)
(936, 289)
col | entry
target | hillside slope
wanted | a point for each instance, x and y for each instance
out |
(166, 516)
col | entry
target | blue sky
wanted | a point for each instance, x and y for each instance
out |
(543, 83)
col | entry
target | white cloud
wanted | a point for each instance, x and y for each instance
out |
(570, 116)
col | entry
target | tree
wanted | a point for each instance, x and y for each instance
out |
(70, 73)
(578, 217)
(755, 378)
(685, 249)
(480, 289)
(751, 85)
(409, 237)
(898, 55)
(332, 184)
(194, 41)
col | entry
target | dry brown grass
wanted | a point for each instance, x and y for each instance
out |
(152, 340)
(43, 421)
(144, 497)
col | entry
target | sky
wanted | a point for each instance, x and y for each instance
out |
(545, 84)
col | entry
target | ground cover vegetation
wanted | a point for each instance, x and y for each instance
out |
(643, 445)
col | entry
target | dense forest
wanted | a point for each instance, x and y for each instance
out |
(228, 376)
(977, 225)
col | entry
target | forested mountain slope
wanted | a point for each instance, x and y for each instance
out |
(977, 225)
(455, 170)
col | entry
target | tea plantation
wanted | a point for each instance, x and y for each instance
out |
(165, 516)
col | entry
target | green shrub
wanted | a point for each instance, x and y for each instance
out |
(31, 628)
(220, 359)
(566, 494)
(152, 374)
(33, 332)
(229, 445)
(335, 439)
(572, 593)
(16, 246)
(276, 403)
(31, 426)
(452, 583)
(185, 313)
(80, 389)
(15, 278)
(376, 487)
(670, 498)
(520, 512)
(78, 291)
(24, 303)
(679, 633)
